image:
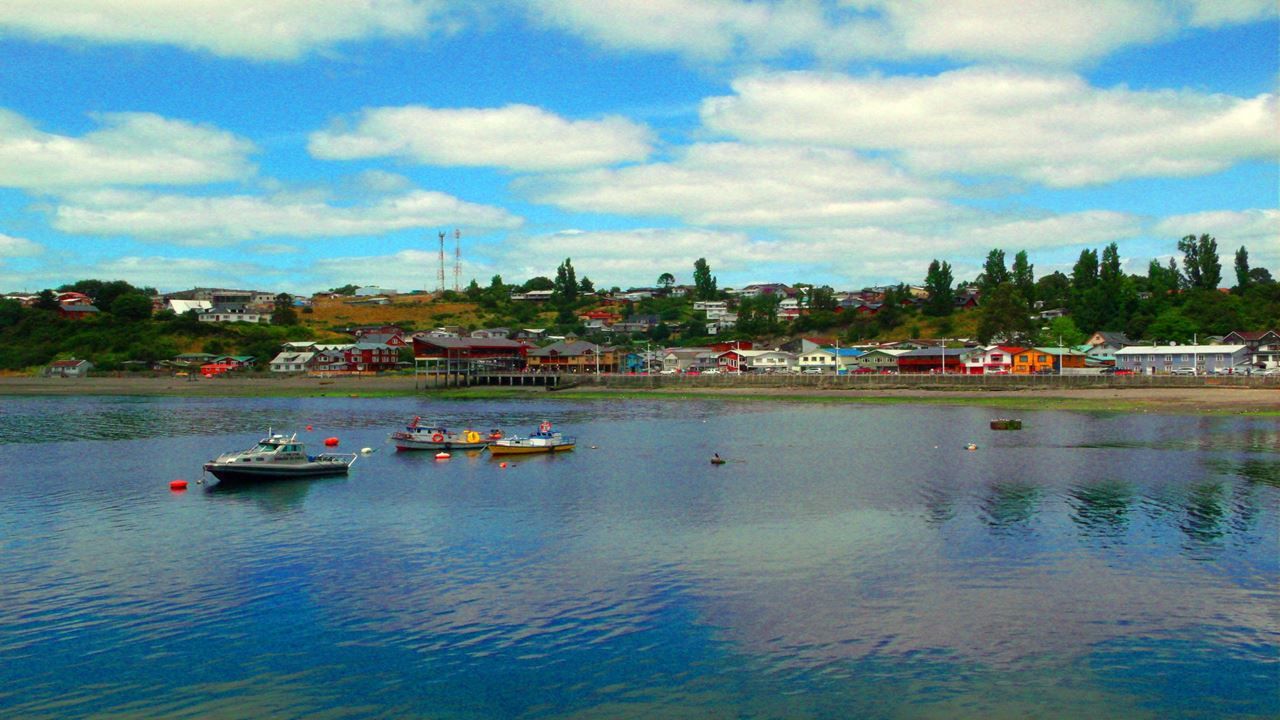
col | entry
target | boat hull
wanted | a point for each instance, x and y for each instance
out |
(498, 449)
(410, 444)
(246, 472)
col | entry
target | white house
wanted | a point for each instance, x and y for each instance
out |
(1160, 359)
(292, 362)
(759, 360)
(819, 359)
(232, 314)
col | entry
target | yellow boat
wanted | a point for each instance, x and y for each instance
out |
(545, 440)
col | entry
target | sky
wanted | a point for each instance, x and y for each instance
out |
(301, 145)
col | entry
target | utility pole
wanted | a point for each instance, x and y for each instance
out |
(440, 275)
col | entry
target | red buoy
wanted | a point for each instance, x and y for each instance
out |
(331, 442)
(178, 485)
(442, 456)
(308, 428)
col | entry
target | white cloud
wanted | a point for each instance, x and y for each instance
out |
(11, 246)
(705, 30)
(1050, 128)
(519, 137)
(1258, 230)
(742, 185)
(218, 219)
(1215, 13)
(130, 149)
(632, 257)
(404, 271)
(274, 30)
(1052, 32)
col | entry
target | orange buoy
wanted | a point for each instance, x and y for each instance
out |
(502, 464)
(331, 442)
(442, 456)
(178, 485)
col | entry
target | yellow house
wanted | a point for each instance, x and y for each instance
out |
(1031, 360)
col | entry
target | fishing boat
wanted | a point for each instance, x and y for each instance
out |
(277, 457)
(417, 436)
(545, 440)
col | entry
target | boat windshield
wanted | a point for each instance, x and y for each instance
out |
(266, 447)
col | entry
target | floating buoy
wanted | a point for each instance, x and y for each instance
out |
(366, 451)
(308, 428)
(971, 446)
(331, 442)
(178, 485)
(442, 456)
(503, 465)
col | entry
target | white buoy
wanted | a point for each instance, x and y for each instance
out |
(366, 451)
(442, 456)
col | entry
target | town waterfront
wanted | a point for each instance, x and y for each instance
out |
(847, 561)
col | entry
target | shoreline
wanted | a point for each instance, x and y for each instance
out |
(1182, 400)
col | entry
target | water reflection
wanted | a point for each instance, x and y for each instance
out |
(820, 573)
(1102, 509)
(275, 496)
(1010, 505)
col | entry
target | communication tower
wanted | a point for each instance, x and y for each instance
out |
(457, 260)
(440, 275)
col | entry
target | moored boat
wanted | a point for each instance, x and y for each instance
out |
(277, 457)
(417, 436)
(545, 440)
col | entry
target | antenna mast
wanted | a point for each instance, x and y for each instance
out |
(440, 275)
(457, 260)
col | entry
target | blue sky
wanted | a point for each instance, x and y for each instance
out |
(300, 145)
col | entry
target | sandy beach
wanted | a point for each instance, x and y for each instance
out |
(1230, 400)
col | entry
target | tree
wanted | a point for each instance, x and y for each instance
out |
(46, 300)
(585, 286)
(1200, 261)
(937, 282)
(666, 280)
(1086, 298)
(1242, 270)
(131, 307)
(565, 286)
(703, 282)
(1024, 277)
(539, 283)
(1115, 299)
(822, 299)
(1053, 290)
(344, 290)
(284, 313)
(993, 271)
(1063, 330)
(1004, 313)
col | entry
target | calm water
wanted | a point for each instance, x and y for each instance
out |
(847, 562)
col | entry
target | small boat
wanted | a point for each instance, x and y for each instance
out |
(545, 440)
(1006, 424)
(277, 457)
(717, 460)
(416, 436)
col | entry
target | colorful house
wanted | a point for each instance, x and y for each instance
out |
(1032, 360)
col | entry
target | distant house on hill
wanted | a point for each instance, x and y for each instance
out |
(68, 368)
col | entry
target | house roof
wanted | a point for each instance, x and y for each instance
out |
(68, 363)
(1110, 337)
(1179, 349)
(568, 347)
(933, 352)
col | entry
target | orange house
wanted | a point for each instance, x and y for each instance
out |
(1031, 360)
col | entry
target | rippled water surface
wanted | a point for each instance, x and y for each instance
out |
(846, 562)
